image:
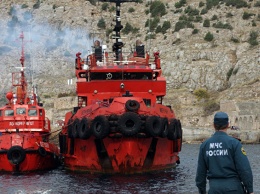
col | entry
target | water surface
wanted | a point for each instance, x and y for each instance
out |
(180, 180)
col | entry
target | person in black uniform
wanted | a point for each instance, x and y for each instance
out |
(223, 161)
(98, 50)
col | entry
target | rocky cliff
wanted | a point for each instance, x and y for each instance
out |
(210, 53)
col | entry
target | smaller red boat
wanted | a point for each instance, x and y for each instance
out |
(25, 130)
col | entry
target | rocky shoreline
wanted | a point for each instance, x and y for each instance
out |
(198, 135)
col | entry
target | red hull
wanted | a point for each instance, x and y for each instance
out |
(25, 152)
(124, 155)
(33, 162)
(119, 138)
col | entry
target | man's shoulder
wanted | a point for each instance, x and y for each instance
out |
(216, 138)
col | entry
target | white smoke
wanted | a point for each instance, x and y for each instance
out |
(45, 45)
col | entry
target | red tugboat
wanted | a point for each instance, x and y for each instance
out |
(120, 124)
(25, 130)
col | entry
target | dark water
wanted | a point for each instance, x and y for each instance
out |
(178, 180)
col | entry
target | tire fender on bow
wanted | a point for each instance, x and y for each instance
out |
(132, 105)
(153, 126)
(84, 129)
(100, 127)
(16, 155)
(129, 123)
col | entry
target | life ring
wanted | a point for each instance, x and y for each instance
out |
(132, 105)
(84, 130)
(75, 128)
(153, 126)
(16, 155)
(42, 151)
(100, 127)
(172, 133)
(179, 130)
(165, 127)
(129, 124)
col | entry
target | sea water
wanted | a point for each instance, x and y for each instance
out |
(179, 180)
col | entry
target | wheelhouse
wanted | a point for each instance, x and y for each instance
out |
(23, 117)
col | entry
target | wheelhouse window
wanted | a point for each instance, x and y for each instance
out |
(32, 112)
(159, 99)
(0, 113)
(9, 112)
(121, 76)
(20, 111)
(147, 102)
(82, 101)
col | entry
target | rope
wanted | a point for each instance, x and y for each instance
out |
(54, 137)
(51, 132)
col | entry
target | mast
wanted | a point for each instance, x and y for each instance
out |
(19, 77)
(22, 59)
(117, 46)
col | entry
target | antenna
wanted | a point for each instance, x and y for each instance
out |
(118, 45)
(18, 78)
(31, 58)
(149, 45)
(22, 59)
(22, 53)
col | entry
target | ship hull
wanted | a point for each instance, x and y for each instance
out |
(23, 153)
(124, 155)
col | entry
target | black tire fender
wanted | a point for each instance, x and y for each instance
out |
(42, 151)
(84, 130)
(129, 123)
(100, 127)
(153, 126)
(132, 105)
(179, 130)
(16, 155)
(172, 133)
(75, 128)
(113, 117)
(165, 127)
